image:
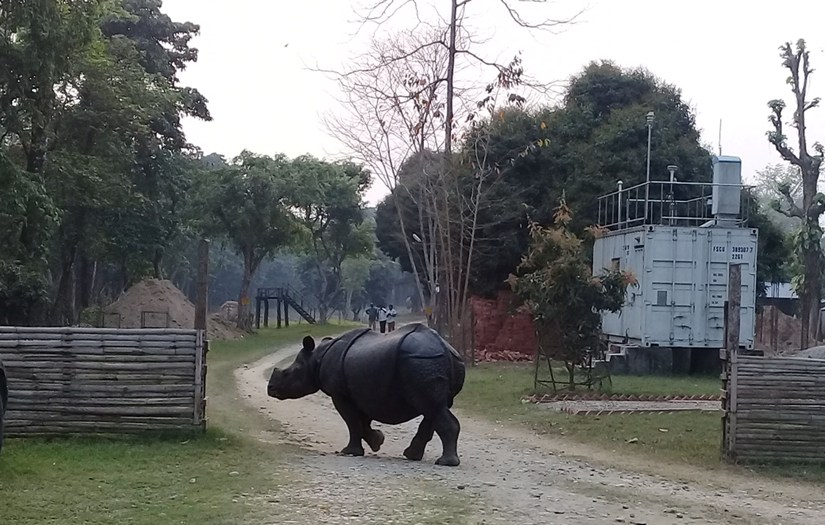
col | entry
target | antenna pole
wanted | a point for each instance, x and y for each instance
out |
(649, 119)
(720, 136)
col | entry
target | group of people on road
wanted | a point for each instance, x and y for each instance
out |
(383, 316)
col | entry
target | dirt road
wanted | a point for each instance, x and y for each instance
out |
(507, 475)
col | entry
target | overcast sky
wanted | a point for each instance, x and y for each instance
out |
(721, 53)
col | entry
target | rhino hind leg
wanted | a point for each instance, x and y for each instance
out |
(373, 437)
(448, 428)
(415, 451)
(355, 425)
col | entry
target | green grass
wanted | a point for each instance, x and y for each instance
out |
(184, 479)
(494, 391)
(139, 481)
(678, 385)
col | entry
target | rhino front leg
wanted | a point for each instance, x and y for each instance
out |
(419, 442)
(355, 424)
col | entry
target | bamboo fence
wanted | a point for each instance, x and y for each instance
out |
(103, 381)
(776, 410)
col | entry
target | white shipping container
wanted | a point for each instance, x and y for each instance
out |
(683, 284)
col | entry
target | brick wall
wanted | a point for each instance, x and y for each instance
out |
(502, 333)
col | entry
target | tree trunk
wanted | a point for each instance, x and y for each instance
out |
(244, 319)
(448, 121)
(157, 258)
(85, 282)
(812, 296)
(323, 313)
(64, 303)
(36, 152)
(348, 307)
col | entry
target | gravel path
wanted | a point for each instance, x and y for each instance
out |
(507, 475)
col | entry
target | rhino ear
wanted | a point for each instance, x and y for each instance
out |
(309, 344)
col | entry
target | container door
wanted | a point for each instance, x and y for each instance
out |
(608, 252)
(671, 272)
(719, 244)
(702, 248)
(684, 276)
(632, 312)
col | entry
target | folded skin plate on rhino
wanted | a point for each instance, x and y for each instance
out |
(386, 378)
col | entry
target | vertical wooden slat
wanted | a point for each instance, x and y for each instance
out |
(198, 379)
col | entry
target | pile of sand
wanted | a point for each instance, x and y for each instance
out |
(817, 352)
(160, 303)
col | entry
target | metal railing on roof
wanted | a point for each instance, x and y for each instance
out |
(667, 203)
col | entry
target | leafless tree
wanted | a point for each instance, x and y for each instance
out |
(796, 60)
(459, 43)
(393, 109)
(429, 110)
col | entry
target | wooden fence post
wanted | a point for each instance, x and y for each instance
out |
(201, 343)
(732, 329)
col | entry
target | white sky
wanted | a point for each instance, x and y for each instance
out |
(722, 54)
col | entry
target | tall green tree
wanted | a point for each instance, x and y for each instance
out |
(40, 41)
(246, 204)
(354, 274)
(90, 110)
(162, 48)
(328, 202)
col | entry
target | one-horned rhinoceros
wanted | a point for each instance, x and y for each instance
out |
(386, 378)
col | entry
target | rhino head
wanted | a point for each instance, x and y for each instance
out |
(297, 380)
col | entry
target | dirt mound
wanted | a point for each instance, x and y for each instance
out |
(156, 303)
(221, 329)
(777, 333)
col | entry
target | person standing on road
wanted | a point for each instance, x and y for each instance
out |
(372, 315)
(382, 319)
(391, 313)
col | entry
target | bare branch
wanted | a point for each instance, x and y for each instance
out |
(793, 209)
(777, 136)
(549, 24)
(383, 10)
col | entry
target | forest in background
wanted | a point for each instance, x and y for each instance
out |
(100, 188)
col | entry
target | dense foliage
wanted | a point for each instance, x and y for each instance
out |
(94, 164)
(581, 149)
(99, 187)
(564, 297)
